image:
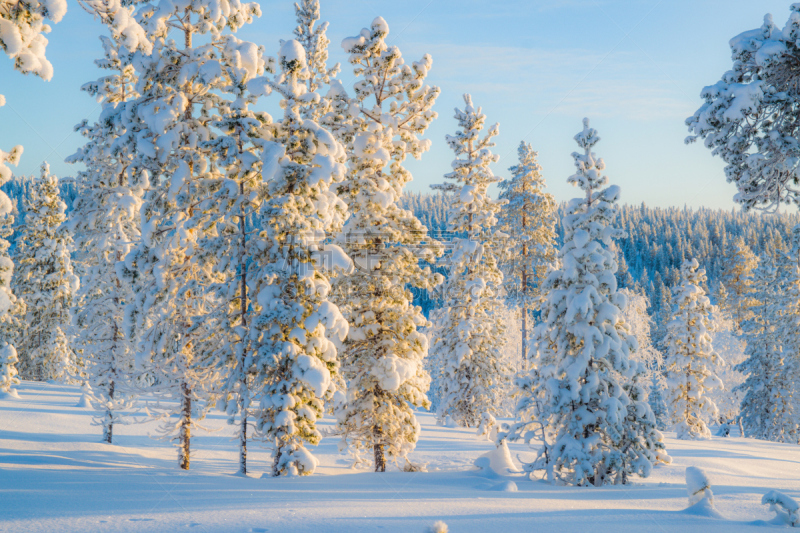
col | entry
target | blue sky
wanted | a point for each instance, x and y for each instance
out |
(635, 67)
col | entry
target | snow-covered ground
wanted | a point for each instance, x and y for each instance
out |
(56, 476)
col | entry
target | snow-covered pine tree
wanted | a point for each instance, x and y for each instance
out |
(786, 388)
(227, 219)
(105, 223)
(767, 409)
(739, 264)
(583, 396)
(658, 403)
(296, 328)
(22, 29)
(640, 324)
(749, 118)
(181, 87)
(690, 357)
(10, 307)
(383, 357)
(45, 282)
(468, 337)
(312, 36)
(529, 219)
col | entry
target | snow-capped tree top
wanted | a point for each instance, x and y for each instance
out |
(121, 21)
(292, 56)
(589, 176)
(384, 75)
(473, 210)
(467, 140)
(196, 16)
(22, 30)
(315, 43)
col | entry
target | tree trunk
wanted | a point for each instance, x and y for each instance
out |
(109, 429)
(377, 448)
(275, 470)
(524, 320)
(186, 430)
(243, 383)
(524, 295)
(243, 438)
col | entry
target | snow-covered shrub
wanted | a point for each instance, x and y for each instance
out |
(497, 462)
(487, 427)
(8, 369)
(786, 508)
(698, 486)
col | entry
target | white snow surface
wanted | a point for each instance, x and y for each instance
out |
(55, 475)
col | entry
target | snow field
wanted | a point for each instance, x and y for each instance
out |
(56, 475)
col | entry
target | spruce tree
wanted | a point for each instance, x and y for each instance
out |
(690, 357)
(529, 219)
(739, 264)
(45, 281)
(584, 397)
(768, 406)
(382, 360)
(468, 338)
(296, 328)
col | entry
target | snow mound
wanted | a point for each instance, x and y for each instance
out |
(704, 508)
(497, 462)
(786, 509)
(83, 402)
(505, 486)
(10, 395)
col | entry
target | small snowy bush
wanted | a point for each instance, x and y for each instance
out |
(488, 426)
(786, 508)
(698, 486)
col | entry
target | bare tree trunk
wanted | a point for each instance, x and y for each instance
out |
(109, 429)
(377, 448)
(524, 290)
(186, 430)
(243, 383)
(377, 437)
(524, 318)
(275, 470)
